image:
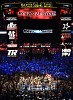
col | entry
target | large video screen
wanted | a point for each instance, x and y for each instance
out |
(33, 22)
(38, 25)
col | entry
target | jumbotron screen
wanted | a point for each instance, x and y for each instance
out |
(37, 22)
(38, 25)
(33, 22)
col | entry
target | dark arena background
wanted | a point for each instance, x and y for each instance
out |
(36, 50)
